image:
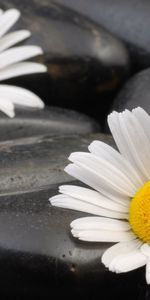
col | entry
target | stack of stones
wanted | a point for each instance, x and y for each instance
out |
(98, 58)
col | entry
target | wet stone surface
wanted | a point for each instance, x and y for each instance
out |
(37, 162)
(50, 121)
(129, 20)
(38, 256)
(136, 92)
(85, 62)
(39, 259)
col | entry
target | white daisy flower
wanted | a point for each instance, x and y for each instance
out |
(120, 194)
(12, 64)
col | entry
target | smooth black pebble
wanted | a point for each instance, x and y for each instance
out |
(39, 259)
(128, 20)
(86, 64)
(50, 120)
(136, 92)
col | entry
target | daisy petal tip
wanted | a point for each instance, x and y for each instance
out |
(75, 234)
(104, 263)
(71, 225)
(40, 68)
(40, 50)
(139, 108)
(15, 11)
(41, 105)
(92, 145)
(14, 14)
(110, 117)
(145, 249)
(148, 279)
(112, 267)
(10, 113)
(45, 68)
(61, 187)
(28, 32)
(52, 200)
(103, 258)
(68, 168)
(71, 156)
(25, 31)
(148, 272)
(38, 105)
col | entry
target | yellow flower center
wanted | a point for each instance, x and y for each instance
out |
(139, 213)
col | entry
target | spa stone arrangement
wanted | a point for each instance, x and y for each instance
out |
(97, 55)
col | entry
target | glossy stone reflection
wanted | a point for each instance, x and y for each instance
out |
(128, 20)
(37, 162)
(136, 92)
(85, 62)
(50, 120)
(38, 255)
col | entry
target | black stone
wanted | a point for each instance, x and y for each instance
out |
(39, 259)
(34, 163)
(128, 20)
(51, 121)
(136, 92)
(86, 64)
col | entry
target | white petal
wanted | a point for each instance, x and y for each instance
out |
(143, 118)
(8, 19)
(103, 235)
(95, 181)
(137, 142)
(20, 96)
(128, 262)
(20, 69)
(93, 197)
(18, 54)
(145, 249)
(7, 107)
(99, 223)
(119, 249)
(1, 12)
(13, 38)
(65, 201)
(148, 272)
(115, 128)
(102, 150)
(106, 172)
(119, 137)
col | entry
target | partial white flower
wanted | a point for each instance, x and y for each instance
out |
(13, 63)
(120, 194)
(12, 95)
